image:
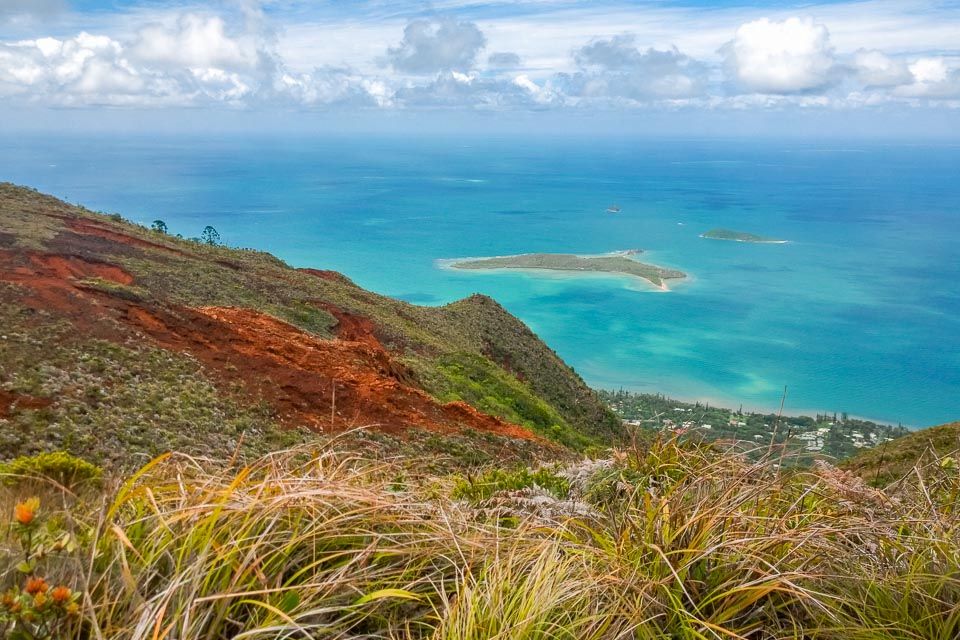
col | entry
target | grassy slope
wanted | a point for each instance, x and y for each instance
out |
(533, 386)
(669, 541)
(891, 461)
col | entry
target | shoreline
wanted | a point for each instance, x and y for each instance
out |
(706, 237)
(753, 408)
(564, 273)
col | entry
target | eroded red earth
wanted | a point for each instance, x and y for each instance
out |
(350, 381)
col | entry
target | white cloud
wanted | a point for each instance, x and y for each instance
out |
(791, 56)
(333, 86)
(195, 41)
(876, 69)
(455, 89)
(932, 78)
(617, 69)
(429, 46)
(190, 60)
(86, 68)
(556, 55)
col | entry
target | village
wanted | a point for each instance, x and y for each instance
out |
(832, 436)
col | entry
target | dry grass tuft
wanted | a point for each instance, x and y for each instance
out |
(666, 541)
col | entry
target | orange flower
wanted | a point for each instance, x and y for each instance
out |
(36, 585)
(25, 512)
(39, 600)
(61, 594)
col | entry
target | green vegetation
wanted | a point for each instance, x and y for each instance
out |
(59, 466)
(476, 381)
(739, 236)
(127, 292)
(895, 459)
(258, 530)
(113, 396)
(805, 438)
(494, 481)
(672, 540)
(620, 263)
(210, 236)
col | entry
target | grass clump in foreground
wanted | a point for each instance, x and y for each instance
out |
(667, 541)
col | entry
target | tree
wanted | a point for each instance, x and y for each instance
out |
(210, 236)
(159, 226)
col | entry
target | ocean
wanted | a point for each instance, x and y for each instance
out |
(859, 312)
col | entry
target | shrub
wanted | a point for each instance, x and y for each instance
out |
(59, 466)
(494, 481)
(31, 608)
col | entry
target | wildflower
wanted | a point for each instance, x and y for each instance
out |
(7, 601)
(36, 585)
(39, 600)
(61, 594)
(73, 609)
(25, 512)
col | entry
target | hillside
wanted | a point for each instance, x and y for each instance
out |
(892, 460)
(121, 340)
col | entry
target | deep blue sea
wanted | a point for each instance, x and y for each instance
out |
(859, 312)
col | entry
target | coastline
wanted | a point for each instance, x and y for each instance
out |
(706, 237)
(451, 264)
(788, 412)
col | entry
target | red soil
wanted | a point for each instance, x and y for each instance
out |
(9, 400)
(52, 280)
(90, 228)
(350, 381)
(329, 384)
(78, 268)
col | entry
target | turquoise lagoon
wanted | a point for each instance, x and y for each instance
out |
(859, 312)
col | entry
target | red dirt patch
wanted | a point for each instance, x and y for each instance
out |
(59, 266)
(348, 382)
(88, 227)
(10, 400)
(329, 384)
(51, 281)
(352, 327)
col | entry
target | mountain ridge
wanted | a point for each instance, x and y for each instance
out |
(303, 347)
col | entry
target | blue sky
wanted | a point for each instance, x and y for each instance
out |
(679, 65)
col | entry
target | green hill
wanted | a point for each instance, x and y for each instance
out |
(892, 460)
(120, 340)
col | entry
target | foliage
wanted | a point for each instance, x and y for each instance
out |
(492, 481)
(171, 272)
(59, 466)
(475, 380)
(32, 609)
(113, 404)
(894, 460)
(805, 437)
(159, 226)
(117, 290)
(210, 236)
(671, 540)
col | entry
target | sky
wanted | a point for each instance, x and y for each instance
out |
(876, 67)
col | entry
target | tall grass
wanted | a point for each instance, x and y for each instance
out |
(669, 540)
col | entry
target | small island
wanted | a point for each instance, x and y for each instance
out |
(739, 236)
(618, 263)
